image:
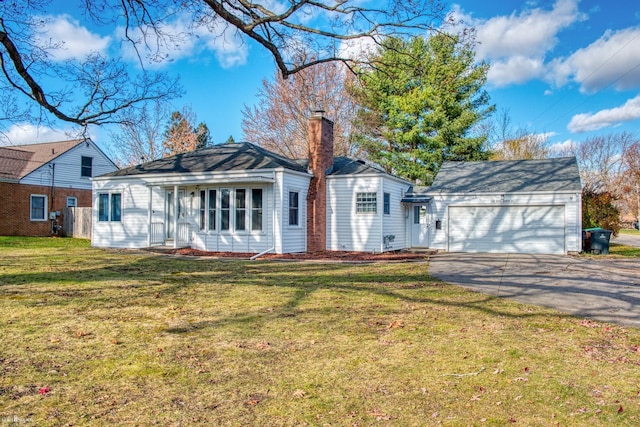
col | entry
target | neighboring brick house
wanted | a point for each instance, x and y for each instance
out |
(38, 181)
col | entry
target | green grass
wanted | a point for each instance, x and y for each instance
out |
(135, 339)
(623, 250)
(629, 231)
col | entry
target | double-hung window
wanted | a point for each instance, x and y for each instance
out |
(109, 207)
(241, 209)
(86, 168)
(202, 211)
(225, 209)
(294, 208)
(387, 204)
(212, 209)
(256, 209)
(366, 202)
(38, 209)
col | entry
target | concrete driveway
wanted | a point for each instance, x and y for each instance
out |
(627, 239)
(596, 288)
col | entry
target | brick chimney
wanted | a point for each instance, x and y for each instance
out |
(320, 163)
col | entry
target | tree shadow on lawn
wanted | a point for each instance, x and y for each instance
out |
(153, 281)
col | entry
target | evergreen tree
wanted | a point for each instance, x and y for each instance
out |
(420, 103)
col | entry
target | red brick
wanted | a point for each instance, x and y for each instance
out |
(320, 161)
(15, 205)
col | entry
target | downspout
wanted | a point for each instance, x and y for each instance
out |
(262, 253)
(149, 216)
(53, 194)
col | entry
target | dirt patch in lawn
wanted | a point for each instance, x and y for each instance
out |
(312, 256)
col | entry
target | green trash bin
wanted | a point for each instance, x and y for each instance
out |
(598, 240)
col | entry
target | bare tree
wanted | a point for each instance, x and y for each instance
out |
(284, 29)
(524, 147)
(509, 143)
(630, 182)
(140, 134)
(600, 160)
(84, 91)
(279, 121)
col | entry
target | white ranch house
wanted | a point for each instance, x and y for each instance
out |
(239, 197)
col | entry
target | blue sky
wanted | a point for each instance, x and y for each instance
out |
(568, 69)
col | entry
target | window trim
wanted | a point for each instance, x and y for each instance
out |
(366, 203)
(45, 207)
(83, 167)
(215, 212)
(386, 203)
(75, 201)
(259, 211)
(115, 210)
(109, 212)
(297, 208)
(240, 210)
(225, 211)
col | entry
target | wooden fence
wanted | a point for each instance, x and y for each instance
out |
(77, 223)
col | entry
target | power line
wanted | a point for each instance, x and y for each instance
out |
(557, 118)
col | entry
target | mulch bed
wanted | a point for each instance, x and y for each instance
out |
(324, 255)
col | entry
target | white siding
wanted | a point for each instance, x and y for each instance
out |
(507, 229)
(570, 202)
(68, 166)
(132, 230)
(293, 237)
(395, 224)
(346, 229)
(235, 241)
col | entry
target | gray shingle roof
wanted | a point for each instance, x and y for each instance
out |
(507, 176)
(349, 166)
(216, 158)
(237, 157)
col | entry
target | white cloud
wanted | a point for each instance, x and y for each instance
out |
(613, 59)
(358, 48)
(517, 69)
(25, 133)
(511, 42)
(585, 122)
(181, 41)
(74, 40)
(563, 147)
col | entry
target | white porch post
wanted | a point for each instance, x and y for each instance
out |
(176, 203)
(149, 216)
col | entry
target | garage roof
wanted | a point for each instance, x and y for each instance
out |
(508, 176)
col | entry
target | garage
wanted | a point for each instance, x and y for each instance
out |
(507, 229)
(505, 206)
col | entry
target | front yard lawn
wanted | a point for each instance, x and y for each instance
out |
(93, 337)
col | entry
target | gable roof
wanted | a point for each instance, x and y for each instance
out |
(18, 161)
(235, 156)
(507, 176)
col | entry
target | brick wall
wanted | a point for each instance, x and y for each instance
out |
(320, 161)
(15, 205)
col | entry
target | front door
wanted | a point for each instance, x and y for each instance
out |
(170, 210)
(419, 226)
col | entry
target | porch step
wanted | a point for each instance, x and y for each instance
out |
(424, 251)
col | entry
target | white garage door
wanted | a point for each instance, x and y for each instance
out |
(507, 229)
